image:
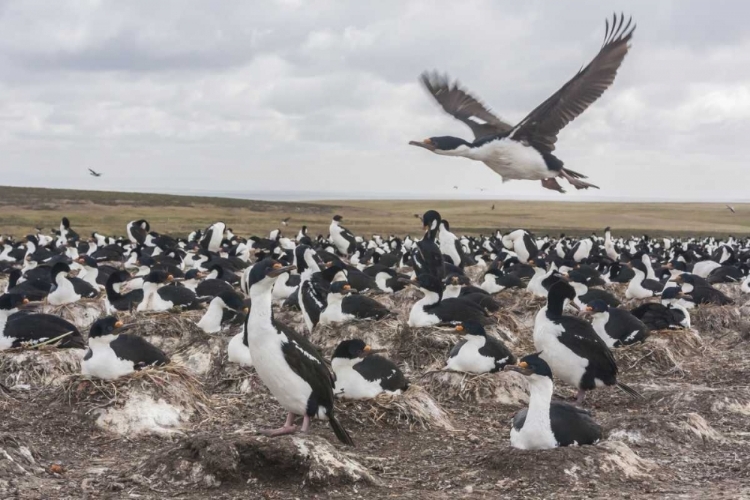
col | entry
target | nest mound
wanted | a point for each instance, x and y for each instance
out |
(663, 352)
(160, 400)
(378, 334)
(719, 321)
(414, 408)
(209, 461)
(179, 336)
(82, 313)
(26, 368)
(608, 463)
(506, 388)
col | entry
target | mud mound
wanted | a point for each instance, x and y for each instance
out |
(717, 322)
(415, 408)
(506, 388)
(152, 401)
(586, 470)
(28, 368)
(208, 461)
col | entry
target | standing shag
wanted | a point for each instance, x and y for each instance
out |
(287, 363)
(572, 348)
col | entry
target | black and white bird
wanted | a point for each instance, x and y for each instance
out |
(669, 314)
(495, 281)
(616, 327)
(427, 257)
(701, 291)
(361, 373)
(545, 423)
(432, 309)
(524, 151)
(113, 354)
(18, 328)
(213, 236)
(137, 231)
(311, 296)
(117, 301)
(572, 348)
(344, 304)
(287, 363)
(342, 238)
(640, 287)
(66, 290)
(522, 243)
(159, 296)
(478, 352)
(216, 313)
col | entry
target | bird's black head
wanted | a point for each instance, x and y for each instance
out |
(446, 224)
(430, 283)
(105, 326)
(341, 287)
(685, 278)
(233, 301)
(157, 277)
(639, 265)
(193, 274)
(431, 220)
(87, 260)
(10, 301)
(352, 349)
(338, 218)
(65, 223)
(266, 271)
(561, 291)
(441, 144)
(531, 365)
(597, 306)
(471, 328)
(60, 267)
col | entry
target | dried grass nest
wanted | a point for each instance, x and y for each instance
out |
(663, 352)
(414, 408)
(31, 367)
(153, 400)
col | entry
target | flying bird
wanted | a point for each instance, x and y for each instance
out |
(418, 216)
(730, 208)
(455, 187)
(524, 150)
(284, 222)
(94, 173)
(493, 206)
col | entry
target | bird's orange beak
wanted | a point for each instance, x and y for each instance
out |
(118, 324)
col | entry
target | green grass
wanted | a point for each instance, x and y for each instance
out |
(23, 209)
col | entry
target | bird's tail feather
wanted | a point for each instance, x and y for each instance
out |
(339, 430)
(575, 174)
(630, 391)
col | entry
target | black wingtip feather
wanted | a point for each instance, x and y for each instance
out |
(339, 431)
(630, 391)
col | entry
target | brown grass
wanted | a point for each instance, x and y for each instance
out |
(23, 209)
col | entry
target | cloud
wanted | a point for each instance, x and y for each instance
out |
(323, 95)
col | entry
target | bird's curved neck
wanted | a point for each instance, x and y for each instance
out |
(555, 304)
(541, 389)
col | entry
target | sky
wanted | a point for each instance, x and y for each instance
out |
(323, 97)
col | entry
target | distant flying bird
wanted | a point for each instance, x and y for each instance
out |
(455, 187)
(524, 150)
(493, 206)
(731, 208)
(483, 189)
(418, 216)
(285, 221)
(95, 174)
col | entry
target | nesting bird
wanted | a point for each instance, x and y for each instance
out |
(361, 373)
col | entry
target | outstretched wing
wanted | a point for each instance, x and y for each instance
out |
(542, 125)
(463, 106)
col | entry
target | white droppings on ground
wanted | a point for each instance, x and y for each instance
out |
(732, 405)
(634, 437)
(624, 460)
(142, 414)
(327, 463)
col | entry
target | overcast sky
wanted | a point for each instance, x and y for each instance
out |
(292, 95)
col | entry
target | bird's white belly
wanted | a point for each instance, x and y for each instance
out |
(636, 291)
(105, 364)
(598, 324)
(469, 360)
(238, 352)
(287, 387)
(419, 318)
(565, 364)
(351, 385)
(64, 294)
(490, 285)
(513, 160)
(533, 436)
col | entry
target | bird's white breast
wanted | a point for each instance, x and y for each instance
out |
(565, 364)
(512, 160)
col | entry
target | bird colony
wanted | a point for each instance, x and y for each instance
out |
(342, 340)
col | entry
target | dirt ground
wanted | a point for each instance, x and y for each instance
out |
(689, 437)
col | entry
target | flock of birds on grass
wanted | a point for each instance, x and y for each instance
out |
(337, 279)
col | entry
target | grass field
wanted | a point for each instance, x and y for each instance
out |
(23, 209)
